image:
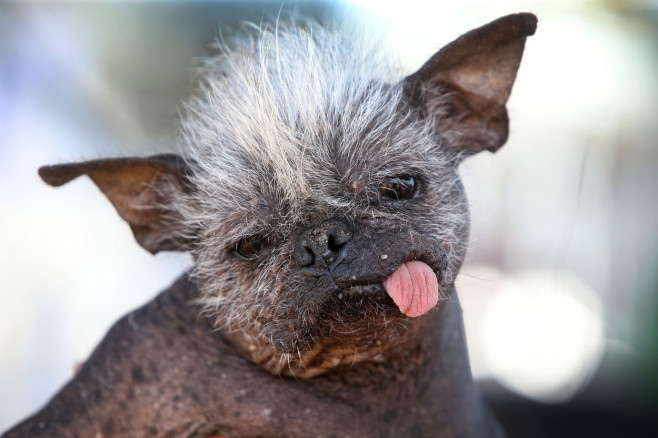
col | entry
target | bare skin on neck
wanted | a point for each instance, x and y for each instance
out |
(187, 380)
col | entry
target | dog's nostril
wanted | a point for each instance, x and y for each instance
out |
(337, 237)
(333, 243)
(322, 245)
(304, 256)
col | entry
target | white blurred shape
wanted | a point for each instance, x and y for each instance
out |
(543, 335)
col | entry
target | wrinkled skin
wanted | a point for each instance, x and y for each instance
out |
(186, 380)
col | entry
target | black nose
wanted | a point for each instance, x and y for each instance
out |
(320, 246)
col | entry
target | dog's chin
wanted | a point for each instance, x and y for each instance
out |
(356, 314)
(366, 303)
(361, 314)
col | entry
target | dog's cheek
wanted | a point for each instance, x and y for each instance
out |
(274, 278)
(452, 228)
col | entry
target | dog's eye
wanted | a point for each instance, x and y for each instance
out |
(398, 187)
(250, 248)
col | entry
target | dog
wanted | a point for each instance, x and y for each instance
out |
(320, 199)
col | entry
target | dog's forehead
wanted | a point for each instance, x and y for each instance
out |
(276, 200)
(334, 165)
(337, 151)
(294, 122)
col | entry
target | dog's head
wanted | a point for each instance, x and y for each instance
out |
(319, 198)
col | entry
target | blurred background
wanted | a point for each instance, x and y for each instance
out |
(560, 290)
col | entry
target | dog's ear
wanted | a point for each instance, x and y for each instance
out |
(464, 86)
(141, 189)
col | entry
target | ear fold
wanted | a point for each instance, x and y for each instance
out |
(463, 88)
(141, 190)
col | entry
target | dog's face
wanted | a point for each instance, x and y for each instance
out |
(321, 200)
(301, 248)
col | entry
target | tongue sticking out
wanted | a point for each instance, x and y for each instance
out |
(413, 287)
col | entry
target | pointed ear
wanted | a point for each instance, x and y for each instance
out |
(463, 88)
(141, 189)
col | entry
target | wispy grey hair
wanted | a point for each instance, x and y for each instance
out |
(287, 122)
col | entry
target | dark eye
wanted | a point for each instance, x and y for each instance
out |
(398, 187)
(250, 248)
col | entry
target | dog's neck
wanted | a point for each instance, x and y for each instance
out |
(427, 371)
(433, 340)
(425, 379)
(338, 356)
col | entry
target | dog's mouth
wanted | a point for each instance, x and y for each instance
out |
(363, 300)
(413, 288)
(374, 291)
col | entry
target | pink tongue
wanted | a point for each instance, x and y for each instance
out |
(413, 287)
